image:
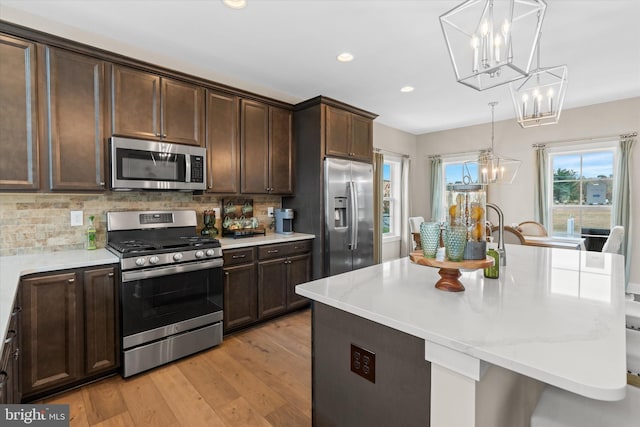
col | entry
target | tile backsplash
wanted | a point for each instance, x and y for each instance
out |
(33, 223)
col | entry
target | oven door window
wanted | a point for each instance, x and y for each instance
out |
(160, 301)
(150, 165)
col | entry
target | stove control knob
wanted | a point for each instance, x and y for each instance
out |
(210, 252)
(154, 260)
(140, 262)
(199, 254)
(177, 257)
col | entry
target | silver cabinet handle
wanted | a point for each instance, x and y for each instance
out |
(16, 310)
(16, 354)
(11, 334)
(238, 256)
(71, 280)
(274, 251)
(226, 273)
(110, 275)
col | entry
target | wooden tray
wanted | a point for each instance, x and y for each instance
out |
(450, 270)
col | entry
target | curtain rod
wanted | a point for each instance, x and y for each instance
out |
(391, 153)
(577, 141)
(459, 153)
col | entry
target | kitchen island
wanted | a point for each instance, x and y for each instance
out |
(554, 316)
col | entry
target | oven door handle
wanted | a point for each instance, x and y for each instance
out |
(129, 276)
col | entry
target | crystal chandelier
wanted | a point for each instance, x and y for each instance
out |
(493, 169)
(538, 99)
(492, 42)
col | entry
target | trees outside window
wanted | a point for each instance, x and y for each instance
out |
(582, 190)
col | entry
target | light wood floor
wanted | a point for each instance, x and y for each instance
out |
(257, 377)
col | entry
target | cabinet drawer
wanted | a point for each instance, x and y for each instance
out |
(238, 256)
(300, 246)
(283, 249)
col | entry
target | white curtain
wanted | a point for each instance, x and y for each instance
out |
(436, 189)
(541, 188)
(405, 210)
(622, 197)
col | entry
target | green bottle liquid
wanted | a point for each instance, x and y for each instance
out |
(91, 235)
(493, 272)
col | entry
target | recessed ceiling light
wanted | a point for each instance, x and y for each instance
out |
(345, 57)
(407, 89)
(235, 4)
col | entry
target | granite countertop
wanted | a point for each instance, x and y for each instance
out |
(14, 267)
(554, 315)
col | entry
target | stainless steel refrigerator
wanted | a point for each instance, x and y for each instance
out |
(348, 215)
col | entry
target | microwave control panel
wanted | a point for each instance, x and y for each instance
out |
(197, 169)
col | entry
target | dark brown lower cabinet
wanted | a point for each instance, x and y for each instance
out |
(240, 296)
(260, 282)
(10, 362)
(298, 271)
(68, 328)
(272, 287)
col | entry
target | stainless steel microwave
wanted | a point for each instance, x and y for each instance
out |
(152, 165)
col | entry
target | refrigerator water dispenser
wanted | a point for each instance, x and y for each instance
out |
(340, 212)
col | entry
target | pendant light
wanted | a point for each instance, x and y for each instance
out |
(492, 42)
(493, 169)
(538, 99)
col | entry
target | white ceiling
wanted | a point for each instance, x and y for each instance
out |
(286, 49)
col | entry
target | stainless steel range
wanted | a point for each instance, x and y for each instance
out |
(172, 286)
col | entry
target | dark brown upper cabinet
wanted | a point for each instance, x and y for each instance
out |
(19, 163)
(148, 106)
(348, 135)
(266, 149)
(223, 147)
(72, 110)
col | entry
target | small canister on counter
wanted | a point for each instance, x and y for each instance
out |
(493, 272)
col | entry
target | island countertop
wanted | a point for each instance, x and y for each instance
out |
(554, 315)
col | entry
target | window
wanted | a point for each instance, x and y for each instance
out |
(391, 197)
(454, 171)
(581, 194)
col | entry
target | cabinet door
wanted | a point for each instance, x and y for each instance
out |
(361, 138)
(272, 292)
(338, 132)
(19, 165)
(182, 113)
(240, 296)
(73, 96)
(298, 271)
(254, 147)
(9, 368)
(135, 104)
(281, 155)
(101, 349)
(49, 332)
(223, 154)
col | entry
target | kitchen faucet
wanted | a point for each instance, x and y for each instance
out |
(501, 251)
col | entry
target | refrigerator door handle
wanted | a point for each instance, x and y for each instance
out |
(353, 198)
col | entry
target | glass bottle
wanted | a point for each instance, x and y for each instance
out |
(91, 235)
(493, 272)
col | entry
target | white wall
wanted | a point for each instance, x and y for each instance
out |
(516, 200)
(394, 141)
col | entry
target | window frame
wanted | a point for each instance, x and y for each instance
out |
(452, 160)
(580, 148)
(395, 200)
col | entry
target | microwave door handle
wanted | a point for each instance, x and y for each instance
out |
(187, 168)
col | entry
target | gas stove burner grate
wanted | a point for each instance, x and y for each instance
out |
(127, 246)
